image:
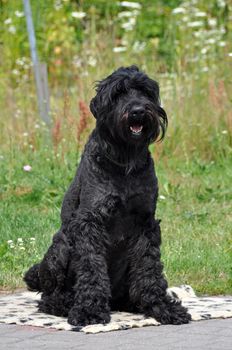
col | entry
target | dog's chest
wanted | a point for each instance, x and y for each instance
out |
(137, 202)
(138, 194)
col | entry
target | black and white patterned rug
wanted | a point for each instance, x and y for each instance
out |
(21, 309)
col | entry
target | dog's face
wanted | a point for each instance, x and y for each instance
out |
(127, 107)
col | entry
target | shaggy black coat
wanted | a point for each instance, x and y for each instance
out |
(106, 255)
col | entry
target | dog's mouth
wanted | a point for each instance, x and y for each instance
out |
(136, 130)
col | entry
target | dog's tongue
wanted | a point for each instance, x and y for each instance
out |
(136, 128)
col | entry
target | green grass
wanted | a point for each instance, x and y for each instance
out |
(194, 205)
(196, 213)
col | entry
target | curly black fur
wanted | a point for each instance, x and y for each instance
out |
(106, 255)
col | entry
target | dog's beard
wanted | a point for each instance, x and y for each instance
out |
(126, 156)
(119, 144)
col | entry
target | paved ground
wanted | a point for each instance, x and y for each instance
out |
(202, 335)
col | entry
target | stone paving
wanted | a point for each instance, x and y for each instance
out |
(203, 335)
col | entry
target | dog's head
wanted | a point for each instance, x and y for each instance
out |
(127, 108)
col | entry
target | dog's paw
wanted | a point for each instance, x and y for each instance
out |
(180, 319)
(79, 317)
(179, 314)
(170, 313)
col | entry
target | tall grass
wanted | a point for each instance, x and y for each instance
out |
(195, 86)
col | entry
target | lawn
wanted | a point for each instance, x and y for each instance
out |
(194, 205)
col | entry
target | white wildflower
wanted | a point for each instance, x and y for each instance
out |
(20, 61)
(21, 248)
(130, 24)
(205, 69)
(138, 46)
(204, 50)
(124, 42)
(37, 126)
(198, 34)
(12, 29)
(15, 72)
(127, 26)
(212, 22)
(221, 3)
(32, 240)
(185, 19)
(222, 43)
(200, 14)
(222, 30)
(195, 24)
(92, 61)
(178, 10)
(8, 21)
(10, 241)
(129, 14)
(20, 240)
(230, 54)
(19, 13)
(162, 197)
(119, 49)
(210, 41)
(27, 168)
(58, 5)
(224, 132)
(25, 134)
(78, 15)
(133, 5)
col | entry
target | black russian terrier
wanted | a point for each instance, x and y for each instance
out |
(106, 255)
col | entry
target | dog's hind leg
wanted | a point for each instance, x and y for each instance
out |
(31, 278)
(50, 273)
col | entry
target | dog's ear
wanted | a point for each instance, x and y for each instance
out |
(151, 88)
(163, 121)
(93, 106)
(99, 103)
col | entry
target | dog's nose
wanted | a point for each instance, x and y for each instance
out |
(137, 111)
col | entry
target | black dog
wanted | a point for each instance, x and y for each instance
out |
(106, 255)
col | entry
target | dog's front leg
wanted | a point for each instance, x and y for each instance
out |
(147, 283)
(92, 284)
